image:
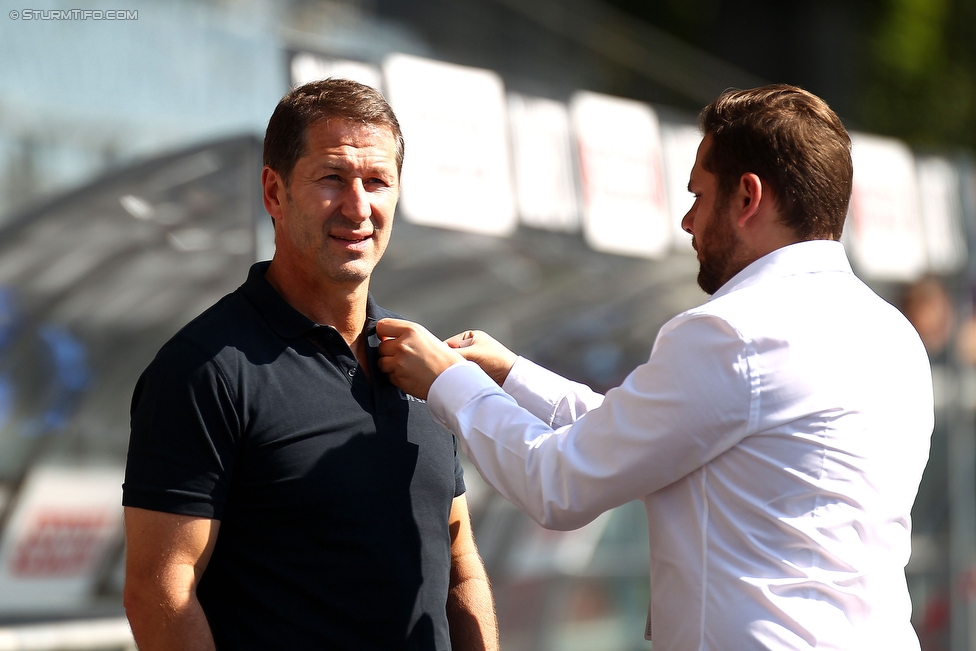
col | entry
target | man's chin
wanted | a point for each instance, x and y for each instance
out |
(710, 279)
(708, 284)
(349, 273)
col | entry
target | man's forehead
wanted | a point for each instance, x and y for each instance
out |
(699, 167)
(704, 146)
(340, 139)
(341, 128)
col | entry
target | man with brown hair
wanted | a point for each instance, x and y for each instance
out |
(777, 433)
(280, 493)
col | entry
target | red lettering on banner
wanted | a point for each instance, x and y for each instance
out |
(59, 544)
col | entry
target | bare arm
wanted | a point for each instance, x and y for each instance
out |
(470, 607)
(166, 555)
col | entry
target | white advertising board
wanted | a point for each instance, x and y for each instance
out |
(306, 67)
(625, 204)
(940, 203)
(885, 225)
(456, 171)
(680, 145)
(542, 156)
(64, 522)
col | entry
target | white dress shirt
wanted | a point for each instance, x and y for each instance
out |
(776, 435)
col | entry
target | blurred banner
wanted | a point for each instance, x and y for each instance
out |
(940, 205)
(625, 207)
(306, 67)
(680, 145)
(545, 179)
(456, 173)
(65, 522)
(610, 167)
(885, 232)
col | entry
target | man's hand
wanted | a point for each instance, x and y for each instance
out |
(412, 356)
(479, 347)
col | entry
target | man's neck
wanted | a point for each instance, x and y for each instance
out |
(340, 305)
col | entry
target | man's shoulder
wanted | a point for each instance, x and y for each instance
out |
(222, 321)
(804, 305)
(758, 308)
(220, 331)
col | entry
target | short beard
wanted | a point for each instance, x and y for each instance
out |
(710, 279)
(720, 253)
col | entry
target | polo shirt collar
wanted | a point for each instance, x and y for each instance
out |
(286, 321)
(374, 313)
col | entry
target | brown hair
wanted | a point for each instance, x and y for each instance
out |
(327, 99)
(792, 141)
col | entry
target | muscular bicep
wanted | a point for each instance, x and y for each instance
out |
(166, 553)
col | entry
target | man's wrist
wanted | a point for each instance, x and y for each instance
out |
(500, 374)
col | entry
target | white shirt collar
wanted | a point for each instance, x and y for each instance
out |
(802, 257)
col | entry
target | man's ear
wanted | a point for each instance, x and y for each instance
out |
(274, 192)
(748, 198)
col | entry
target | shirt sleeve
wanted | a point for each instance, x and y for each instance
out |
(695, 397)
(549, 396)
(184, 435)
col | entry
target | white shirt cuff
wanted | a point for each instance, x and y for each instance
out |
(544, 393)
(453, 389)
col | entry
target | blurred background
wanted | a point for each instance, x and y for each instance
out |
(548, 147)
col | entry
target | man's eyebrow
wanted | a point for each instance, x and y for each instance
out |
(341, 164)
(332, 164)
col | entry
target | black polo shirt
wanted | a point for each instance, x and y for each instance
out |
(333, 491)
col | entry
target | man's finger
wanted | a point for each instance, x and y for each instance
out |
(391, 328)
(387, 347)
(386, 364)
(461, 340)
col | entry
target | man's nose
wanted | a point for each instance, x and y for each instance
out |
(355, 202)
(686, 222)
